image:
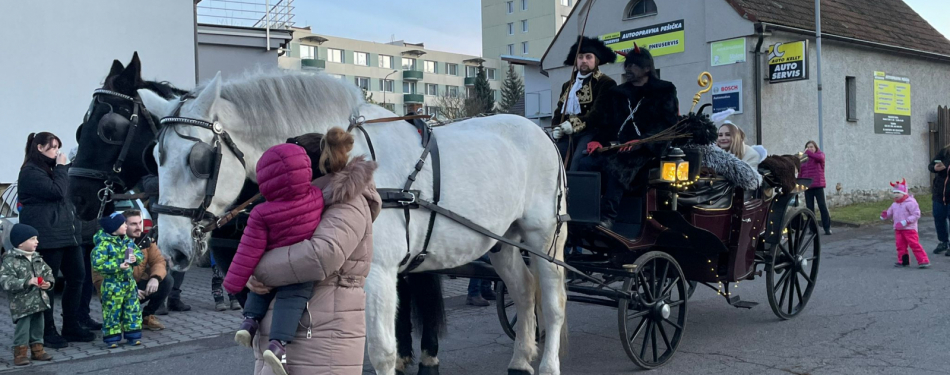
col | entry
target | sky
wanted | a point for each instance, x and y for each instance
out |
(455, 25)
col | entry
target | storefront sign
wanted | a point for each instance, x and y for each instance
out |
(727, 52)
(788, 61)
(661, 39)
(727, 95)
(891, 104)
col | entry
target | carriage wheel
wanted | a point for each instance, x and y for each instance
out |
(507, 312)
(793, 270)
(652, 323)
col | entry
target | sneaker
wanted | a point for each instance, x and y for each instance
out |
(53, 340)
(941, 247)
(245, 334)
(220, 305)
(151, 323)
(90, 324)
(924, 265)
(235, 304)
(276, 357)
(178, 305)
(476, 301)
(133, 338)
(112, 341)
(827, 232)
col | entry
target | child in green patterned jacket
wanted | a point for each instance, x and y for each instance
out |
(114, 257)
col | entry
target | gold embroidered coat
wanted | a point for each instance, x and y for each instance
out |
(592, 90)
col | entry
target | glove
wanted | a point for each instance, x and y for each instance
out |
(557, 133)
(884, 215)
(903, 223)
(629, 145)
(594, 145)
(567, 128)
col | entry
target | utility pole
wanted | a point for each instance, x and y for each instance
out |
(385, 79)
(821, 133)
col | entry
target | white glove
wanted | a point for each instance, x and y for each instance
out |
(903, 223)
(556, 132)
(567, 128)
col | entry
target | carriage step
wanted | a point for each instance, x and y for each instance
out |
(735, 302)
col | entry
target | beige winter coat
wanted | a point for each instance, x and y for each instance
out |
(337, 257)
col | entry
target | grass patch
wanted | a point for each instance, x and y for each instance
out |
(870, 212)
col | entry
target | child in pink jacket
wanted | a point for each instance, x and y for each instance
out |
(905, 212)
(291, 213)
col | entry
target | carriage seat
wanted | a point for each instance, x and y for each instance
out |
(708, 193)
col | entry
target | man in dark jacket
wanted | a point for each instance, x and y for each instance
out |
(941, 198)
(641, 107)
(576, 119)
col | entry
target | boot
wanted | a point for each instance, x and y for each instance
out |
(19, 356)
(235, 304)
(941, 247)
(87, 323)
(178, 305)
(39, 354)
(53, 339)
(162, 309)
(476, 300)
(487, 293)
(245, 334)
(74, 332)
(428, 370)
(151, 322)
(220, 304)
(276, 357)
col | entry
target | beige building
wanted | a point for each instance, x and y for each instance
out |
(404, 77)
(521, 28)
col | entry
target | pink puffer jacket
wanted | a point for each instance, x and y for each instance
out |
(814, 169)
(907, 211)
(290, 215)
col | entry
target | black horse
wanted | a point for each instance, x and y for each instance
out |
(115, 139)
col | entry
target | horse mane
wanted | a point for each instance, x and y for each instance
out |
(289, 100)
(164, 89)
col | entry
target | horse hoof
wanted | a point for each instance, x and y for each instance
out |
(518, 372)
(428, 370)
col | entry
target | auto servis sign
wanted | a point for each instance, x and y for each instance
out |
(788, 61)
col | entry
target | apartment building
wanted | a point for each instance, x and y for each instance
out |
(404, 77)
(521, 28)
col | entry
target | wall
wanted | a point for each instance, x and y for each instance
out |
(538, 104)
(57, 53)
(544, 20)
(233, 50)
(857, 158)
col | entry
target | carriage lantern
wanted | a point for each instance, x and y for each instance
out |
(675, 169)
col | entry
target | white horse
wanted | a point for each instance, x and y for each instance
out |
(501, 172)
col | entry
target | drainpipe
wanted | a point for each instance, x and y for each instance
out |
(758, 83)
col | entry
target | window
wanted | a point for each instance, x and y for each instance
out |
(851, 89)
(361, 58)
(524, 26)
(491, 73)
(511, 7)
(432, 111)
(524, 48)
(563, 20)
(408, 87)
(386, 85)
(337, 76)
(385, 61)
(524, 4)
(362, 82)
(640, 8)
(511, 49)
(408, 63)
(470, 91)
(432, 89)
(452, 69)
(431, 66)
(308, 52)
(471, 71)
(511, 28)
(452, 91)
(566, 3)
(335, 55)
(494, 95)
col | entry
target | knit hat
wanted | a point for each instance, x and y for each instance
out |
(111, 223)
(20, 233)
(899, 186)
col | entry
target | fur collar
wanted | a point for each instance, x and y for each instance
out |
(354, 180)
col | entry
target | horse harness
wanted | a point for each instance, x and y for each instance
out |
(114, 129)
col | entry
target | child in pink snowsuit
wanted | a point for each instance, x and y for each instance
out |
(905, 212)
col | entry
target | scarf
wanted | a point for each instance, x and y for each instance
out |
(902, 198)
(27, 254)
(573, 106)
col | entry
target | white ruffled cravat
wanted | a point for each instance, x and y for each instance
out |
(573, 106)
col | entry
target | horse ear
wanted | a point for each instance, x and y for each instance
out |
(131, 78)
(204, 103)
(117, 68)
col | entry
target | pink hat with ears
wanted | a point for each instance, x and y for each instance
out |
(899, 186)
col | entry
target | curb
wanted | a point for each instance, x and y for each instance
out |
(835, 223)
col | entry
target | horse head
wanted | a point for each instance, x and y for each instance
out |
(115, 137)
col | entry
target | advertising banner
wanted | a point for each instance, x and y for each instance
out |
(891, 104)
(788, 61)
(660, 39)
(727, 52)
(727, 94)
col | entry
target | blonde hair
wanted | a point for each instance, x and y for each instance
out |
(335, 149)
(737, 146)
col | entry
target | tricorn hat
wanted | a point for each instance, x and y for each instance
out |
(604, 54)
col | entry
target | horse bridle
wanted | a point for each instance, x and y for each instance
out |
(111, 178)
(198, 214)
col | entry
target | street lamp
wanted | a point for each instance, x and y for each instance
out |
(384, 86)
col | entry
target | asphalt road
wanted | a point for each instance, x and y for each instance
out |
(865, 317)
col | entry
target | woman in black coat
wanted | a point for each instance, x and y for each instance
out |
(43, 189)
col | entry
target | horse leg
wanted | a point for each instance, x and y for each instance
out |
(403, 326)
(427, 299)
(381, 318)
(553, 298)
(521, 287)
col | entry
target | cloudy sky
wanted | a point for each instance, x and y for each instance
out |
(455, 25)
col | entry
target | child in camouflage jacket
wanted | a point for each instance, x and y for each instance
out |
(26, 277)
(114, 257)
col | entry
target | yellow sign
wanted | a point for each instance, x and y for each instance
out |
(661, 39)
(788, 61)
(891, 104)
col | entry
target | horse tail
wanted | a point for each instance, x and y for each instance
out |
(426, 290)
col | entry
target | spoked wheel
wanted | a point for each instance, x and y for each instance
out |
(793, 270)
(507, 312)
(652, 323)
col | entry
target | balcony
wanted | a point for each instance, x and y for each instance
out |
(470, 81)
(413, 98)
(313, 64)
(411, 75)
